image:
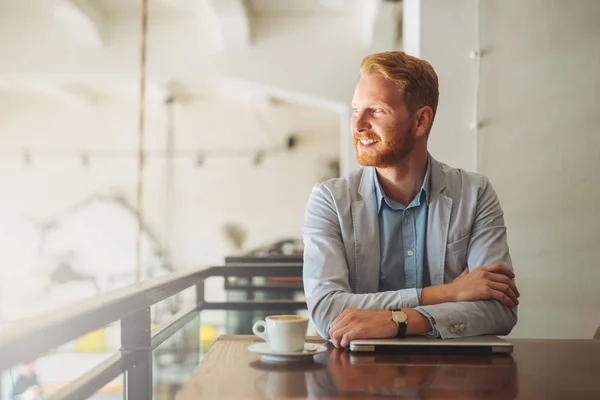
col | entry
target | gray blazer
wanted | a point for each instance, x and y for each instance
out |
(465, 226)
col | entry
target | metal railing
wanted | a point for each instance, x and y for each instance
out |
(131, 306)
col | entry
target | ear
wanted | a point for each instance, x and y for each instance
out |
(423, 120)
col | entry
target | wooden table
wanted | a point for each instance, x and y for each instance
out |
(537, 369)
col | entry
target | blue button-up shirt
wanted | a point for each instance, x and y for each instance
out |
(402, 242)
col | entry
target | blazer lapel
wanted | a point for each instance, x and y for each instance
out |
(366, 235)
(438, 223)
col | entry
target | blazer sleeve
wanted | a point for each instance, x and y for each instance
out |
(487, 245)
(325, 270)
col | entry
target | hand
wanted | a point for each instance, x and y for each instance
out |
(361, 324)
(490, 282)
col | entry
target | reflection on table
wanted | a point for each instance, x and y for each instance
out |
(544, 369)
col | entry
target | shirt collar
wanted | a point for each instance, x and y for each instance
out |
(423, 194)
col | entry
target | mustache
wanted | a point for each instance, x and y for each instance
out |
(366, 135)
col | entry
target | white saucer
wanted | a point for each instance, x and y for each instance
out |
(266, 354)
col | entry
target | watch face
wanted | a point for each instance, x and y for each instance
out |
(399, 316)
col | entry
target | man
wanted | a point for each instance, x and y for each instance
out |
(26, 386)
(404, 232)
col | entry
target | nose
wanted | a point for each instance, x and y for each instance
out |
(360, 122)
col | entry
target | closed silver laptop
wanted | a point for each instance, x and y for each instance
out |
(487, 344)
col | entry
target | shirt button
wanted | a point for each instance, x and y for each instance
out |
(410, 253)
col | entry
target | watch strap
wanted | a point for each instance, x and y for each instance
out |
(402, 326)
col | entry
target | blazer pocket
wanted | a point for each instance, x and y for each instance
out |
(459, 245)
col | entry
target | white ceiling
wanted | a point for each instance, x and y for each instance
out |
(308, 7)
(116, 8)
(89, 49)
(119, 8)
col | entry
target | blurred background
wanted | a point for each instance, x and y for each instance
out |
(131, 150)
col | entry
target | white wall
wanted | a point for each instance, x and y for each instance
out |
(268, 200)
(447, 32)
(539, 142)
(541, 149)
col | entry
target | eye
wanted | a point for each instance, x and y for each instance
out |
(355, 110)
(377, 110)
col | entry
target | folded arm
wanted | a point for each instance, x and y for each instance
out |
(325, 272)
(491, 314)
(326, 276)
(327, 283)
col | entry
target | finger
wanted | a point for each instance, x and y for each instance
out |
(332, 327)
(515, 288)
(335, 339)
(500, 269)
(501, 278)
(339, 335)
(504, 279)
(500, 296)
(357, 332)
(506, 289)
(350, 335)
(497, 277)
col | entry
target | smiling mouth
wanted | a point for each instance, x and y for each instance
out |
(367, 142)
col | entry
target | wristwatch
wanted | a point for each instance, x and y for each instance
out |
(401, 320)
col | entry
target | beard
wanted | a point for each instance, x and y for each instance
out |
(384, 154)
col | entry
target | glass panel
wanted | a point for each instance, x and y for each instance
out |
(164, 310)
(45, 375)
(212, 326)
(113, 390)
(175, 360)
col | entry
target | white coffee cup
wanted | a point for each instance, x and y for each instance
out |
(284, 333)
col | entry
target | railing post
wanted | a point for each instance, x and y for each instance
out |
(200, 293)
(200, 305)
(137, 350)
